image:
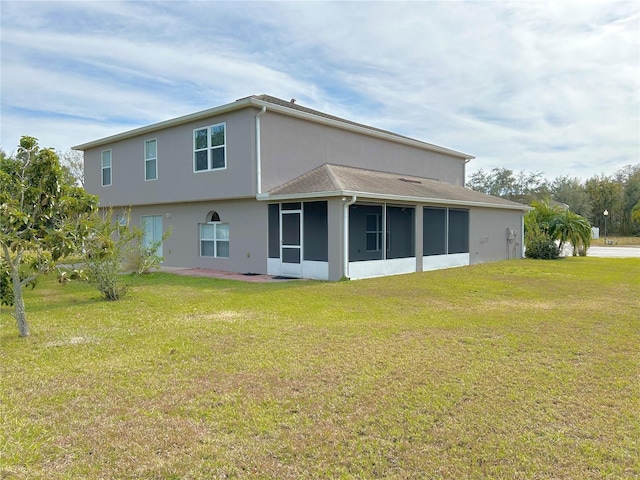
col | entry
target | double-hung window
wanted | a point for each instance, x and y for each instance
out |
(151, 160)
(106, 168)
(210, 148)
(214, 240)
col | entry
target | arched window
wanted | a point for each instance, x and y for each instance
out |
(214, 237)
(213, 216)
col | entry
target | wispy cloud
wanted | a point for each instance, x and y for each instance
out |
(544, 86)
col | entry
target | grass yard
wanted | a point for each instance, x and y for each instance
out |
(521, 369)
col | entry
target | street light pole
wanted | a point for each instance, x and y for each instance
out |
(606, 214)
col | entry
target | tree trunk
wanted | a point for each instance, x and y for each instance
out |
(18, 302)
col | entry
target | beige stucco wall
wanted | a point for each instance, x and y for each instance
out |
(177, 182)
(488, 234)
(247, 221)
(292, 146)
(248, 229)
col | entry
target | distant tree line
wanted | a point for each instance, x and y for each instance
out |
(619, 194)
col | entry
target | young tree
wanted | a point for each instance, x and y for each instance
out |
(112, 248)
(42, 219)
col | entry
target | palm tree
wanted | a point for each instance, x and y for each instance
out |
(573, 228)
(544, 215)
(560, 224)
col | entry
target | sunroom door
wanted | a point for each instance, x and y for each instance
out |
(291, 242)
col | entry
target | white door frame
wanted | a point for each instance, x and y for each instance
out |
(291, 269)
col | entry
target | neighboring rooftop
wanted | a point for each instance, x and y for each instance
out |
(337, 180)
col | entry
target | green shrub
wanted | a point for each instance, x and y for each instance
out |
(538, 244)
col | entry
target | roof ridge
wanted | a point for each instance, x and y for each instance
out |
(383, 172)
(332, 176)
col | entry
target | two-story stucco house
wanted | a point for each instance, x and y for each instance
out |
(263, 185)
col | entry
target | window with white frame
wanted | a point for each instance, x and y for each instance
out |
(209, 148)
(106, 168)
(214, 240)
(151, 159)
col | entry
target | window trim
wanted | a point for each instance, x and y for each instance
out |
(154, 159)
(377, 232)
(110, 168)
(215, 240)
(209, 148)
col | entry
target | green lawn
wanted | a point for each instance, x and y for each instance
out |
(521, 369)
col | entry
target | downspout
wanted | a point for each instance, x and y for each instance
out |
(345, 224)
(464, 172)
(258, 153)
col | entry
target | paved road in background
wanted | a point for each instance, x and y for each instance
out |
(613, 252)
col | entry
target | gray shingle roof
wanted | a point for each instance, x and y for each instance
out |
(332, 180)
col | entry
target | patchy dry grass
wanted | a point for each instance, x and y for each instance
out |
(617, 241)
(522, 369)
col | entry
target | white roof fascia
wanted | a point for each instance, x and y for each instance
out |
(379, 196)
(229, 107)
(359, 129)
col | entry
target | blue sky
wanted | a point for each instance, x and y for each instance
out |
(550, 87)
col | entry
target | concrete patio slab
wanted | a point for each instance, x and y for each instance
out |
(243, 277)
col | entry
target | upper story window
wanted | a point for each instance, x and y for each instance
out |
(209, 148)
(106, 168)
(151, 159)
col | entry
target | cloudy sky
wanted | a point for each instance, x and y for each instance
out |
(548, 87)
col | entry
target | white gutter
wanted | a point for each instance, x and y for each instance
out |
(345, 225)
(464, 172)
(391, 198)
(258, 152)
